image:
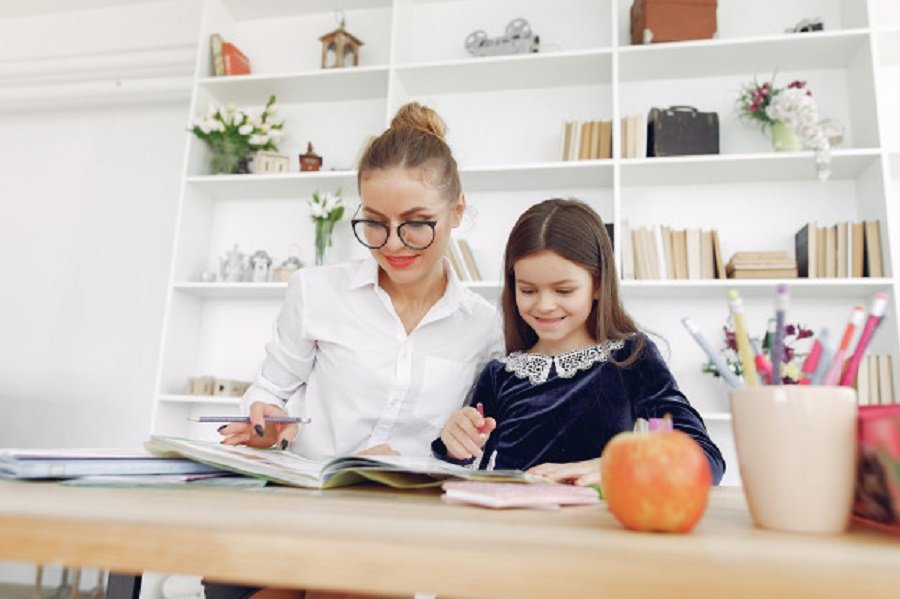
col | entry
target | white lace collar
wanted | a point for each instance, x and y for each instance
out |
(536, 367)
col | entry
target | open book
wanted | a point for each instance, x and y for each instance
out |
(289, 468)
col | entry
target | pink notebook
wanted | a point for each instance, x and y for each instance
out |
(517, 495)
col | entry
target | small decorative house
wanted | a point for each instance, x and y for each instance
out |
(339, 47)
(270, 162)
(310, 161)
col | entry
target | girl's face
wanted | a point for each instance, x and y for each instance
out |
(396, 196)
(555, 296)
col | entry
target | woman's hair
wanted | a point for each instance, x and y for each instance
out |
(572, 230)
(415, 139)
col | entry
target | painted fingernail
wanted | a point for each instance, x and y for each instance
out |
(219, 430)
(284, 444)
(259, 430)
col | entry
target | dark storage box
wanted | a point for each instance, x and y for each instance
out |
(672, 20)
(682, 130)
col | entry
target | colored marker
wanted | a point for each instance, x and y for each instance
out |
(714, 357)
(762, 362)
(834, 371)
(480, 407)
(287, 419)
(824, 359)
(777, 355)
(740, 335)
(875, 313)
(812, 360)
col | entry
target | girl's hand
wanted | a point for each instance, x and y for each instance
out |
(461, 434)
(575, 473)
(259, 433)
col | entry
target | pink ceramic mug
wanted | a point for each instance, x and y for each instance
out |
(796, 447)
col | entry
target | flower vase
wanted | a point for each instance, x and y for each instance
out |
(228, 158)
(784, 139)
(324, 227)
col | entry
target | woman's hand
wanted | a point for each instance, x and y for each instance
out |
(259, 433)
(466, 432)
(575, 473)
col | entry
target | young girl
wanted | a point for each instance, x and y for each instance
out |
(578, 369)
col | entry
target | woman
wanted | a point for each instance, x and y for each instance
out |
(376, 352)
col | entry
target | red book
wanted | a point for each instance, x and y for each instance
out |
(236, 63)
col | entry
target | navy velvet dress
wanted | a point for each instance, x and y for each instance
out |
(566, 408)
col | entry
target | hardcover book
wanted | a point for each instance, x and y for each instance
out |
(877, 500)
(288, 468)
(33, 464)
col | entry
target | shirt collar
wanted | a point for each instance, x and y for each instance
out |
(454, 295)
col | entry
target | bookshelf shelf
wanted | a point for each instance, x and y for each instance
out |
(505, 116)
(754, 56)
(742, 168)
(838, 289)
(233, 290)
(311, 86)
(248, 10)
(286, 185)
(200, 399)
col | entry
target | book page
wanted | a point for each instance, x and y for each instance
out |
(273, 464)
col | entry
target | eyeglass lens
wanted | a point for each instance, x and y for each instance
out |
(414, 235)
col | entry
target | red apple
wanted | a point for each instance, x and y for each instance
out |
(655, 482)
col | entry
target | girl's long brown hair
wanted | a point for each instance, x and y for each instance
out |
(574, 231)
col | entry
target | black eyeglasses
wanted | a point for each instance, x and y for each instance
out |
(415, 234)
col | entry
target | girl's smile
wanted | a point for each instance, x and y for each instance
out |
(555, 297)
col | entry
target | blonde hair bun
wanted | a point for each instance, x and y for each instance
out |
(420, 117)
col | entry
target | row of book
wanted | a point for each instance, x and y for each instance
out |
(227, 59)
(844, 249)
(592, 140)
(634, 136)
(661, 252)
(586, 140)
(462, 260)
(875, 381)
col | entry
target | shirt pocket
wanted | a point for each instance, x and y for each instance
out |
(445, 387)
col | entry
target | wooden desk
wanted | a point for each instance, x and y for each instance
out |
(388, 542)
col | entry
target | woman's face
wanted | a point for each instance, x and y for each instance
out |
(398, 195)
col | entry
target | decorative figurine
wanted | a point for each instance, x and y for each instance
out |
(807, 25)
(519, 39)
(231, 266)
(310, 161)
(290, 265)
(340, 47)
(270, 162)
(260, 263)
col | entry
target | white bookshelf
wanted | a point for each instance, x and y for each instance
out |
(505, 115)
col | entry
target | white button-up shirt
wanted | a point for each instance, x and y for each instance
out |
(340, 355)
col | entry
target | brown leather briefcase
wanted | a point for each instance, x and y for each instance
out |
(672, 20)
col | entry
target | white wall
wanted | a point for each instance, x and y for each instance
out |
(93, 110)
(89, 220)
(89, 183)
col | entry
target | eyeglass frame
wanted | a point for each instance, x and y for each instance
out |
(388, 228)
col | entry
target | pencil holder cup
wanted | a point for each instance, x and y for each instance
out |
(796, 448)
